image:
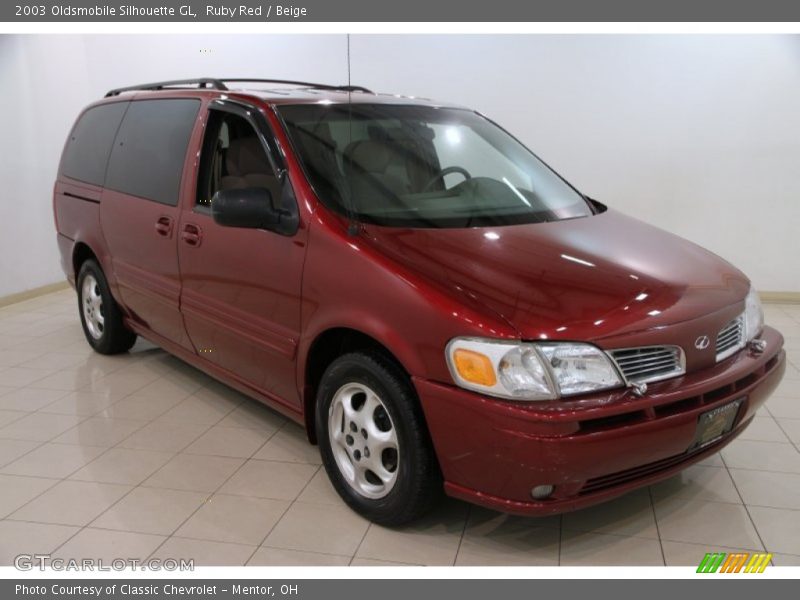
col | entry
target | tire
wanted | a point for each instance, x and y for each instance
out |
(382, 403)
(101, 317)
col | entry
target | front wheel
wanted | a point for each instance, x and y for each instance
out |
(373, 440)
(101, 317)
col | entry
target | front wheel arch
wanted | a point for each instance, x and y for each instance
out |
(416, 479)
(327, 347)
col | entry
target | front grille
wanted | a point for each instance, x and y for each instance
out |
(681, 405)
(730, 339)
(649, 363)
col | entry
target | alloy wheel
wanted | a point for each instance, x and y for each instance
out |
(92, 304)
(363, 440)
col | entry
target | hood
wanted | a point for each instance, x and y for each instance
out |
(579, 279)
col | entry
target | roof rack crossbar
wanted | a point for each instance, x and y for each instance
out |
(204, 82)
(319, 86)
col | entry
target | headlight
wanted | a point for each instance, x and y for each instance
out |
(526, 371)
(753, 315)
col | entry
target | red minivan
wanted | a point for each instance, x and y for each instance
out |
(440, 309)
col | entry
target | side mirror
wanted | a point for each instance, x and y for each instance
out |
(251, 208)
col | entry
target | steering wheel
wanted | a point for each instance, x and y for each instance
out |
(444, 173)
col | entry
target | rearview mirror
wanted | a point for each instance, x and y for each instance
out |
(251, 208)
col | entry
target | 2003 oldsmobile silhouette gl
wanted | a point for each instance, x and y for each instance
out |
(438, 308)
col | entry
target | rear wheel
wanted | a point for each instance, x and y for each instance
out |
(373, 440)
(101, 317)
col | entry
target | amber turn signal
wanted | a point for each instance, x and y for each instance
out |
(474, 367)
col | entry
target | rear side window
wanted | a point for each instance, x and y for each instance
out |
(149, 152)
(89, 144)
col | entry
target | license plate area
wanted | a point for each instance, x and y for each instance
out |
(715, 423)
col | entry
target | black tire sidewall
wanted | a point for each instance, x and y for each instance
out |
(357, 368)
(103, 344)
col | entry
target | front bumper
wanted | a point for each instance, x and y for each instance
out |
(592, 448)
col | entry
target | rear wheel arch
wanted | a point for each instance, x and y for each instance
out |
(80, 254)
(85, 250)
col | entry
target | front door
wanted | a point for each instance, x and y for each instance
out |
(241, 289)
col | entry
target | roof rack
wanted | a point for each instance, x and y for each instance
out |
(317, 86)
(204, 82)
(219, 84)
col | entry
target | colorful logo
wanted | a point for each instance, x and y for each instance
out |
(738, 562)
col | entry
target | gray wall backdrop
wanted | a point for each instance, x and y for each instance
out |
(697, 134)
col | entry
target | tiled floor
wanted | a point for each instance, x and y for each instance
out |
(140, 455)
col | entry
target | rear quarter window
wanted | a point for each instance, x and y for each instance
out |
(150, 148)
(89, 144)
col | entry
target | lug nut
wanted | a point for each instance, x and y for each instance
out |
(353, 427)
(364, 433)
(357, 455)
(349, 439)
(366, 452)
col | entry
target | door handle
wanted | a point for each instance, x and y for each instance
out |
(192, 234)
(164, 226)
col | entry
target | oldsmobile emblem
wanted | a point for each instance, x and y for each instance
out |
(702, 342)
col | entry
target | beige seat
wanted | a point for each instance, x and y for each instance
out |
(248, 167)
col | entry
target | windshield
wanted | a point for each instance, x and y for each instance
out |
(420, 166)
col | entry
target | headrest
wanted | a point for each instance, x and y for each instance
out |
(246, 156)
(371, 156)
